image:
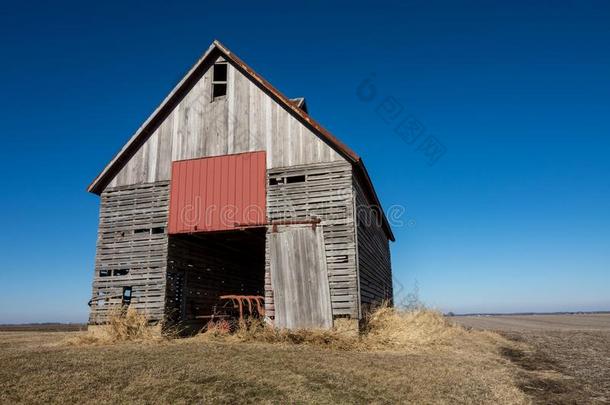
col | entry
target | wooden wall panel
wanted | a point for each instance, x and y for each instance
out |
(326, 193)
(244, 120)
(131, 236)
(374, 264)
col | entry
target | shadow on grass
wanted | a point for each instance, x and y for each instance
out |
(541, 377)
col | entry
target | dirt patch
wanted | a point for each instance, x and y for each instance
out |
(529, 360)
(562, 367)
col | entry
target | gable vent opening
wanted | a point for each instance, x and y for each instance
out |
(219, 80)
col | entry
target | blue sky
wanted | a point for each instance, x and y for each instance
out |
(513, 217)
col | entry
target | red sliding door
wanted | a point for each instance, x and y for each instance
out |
(217, 193)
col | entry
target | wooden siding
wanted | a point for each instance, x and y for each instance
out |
(131, 236)
(374, 266)
(245, 120)
(326, 193)
(300, 278)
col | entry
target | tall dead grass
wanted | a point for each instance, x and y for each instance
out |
(395, 329)
(256, 330)
(124, 325)
(386, 328)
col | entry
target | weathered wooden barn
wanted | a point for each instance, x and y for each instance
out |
(230, 188)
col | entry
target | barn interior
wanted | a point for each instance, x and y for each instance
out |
(204, 266)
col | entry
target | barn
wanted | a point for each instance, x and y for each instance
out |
(230, 190)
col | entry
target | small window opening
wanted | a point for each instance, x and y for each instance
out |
(126, 296)
(220, 72)
(274, 181)
(219, 90)
(295, 179)
(105, 273)
(121, 272)
(219, 80)
(156, 231)
(141, 230)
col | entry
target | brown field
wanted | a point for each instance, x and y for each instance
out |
(575, 348)
(556, 365)
(514, 323)
(44, 327)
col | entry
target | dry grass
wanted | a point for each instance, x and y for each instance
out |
(401, 357)
(416, 330)
(387, 329)
(36, 369)
(414, 356)
(256, 331)
(123, 326)
(419, 332)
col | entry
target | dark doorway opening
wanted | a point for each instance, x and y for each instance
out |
(204, 266)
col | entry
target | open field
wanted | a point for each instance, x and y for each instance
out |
(590, 322)
(44, 327)
(576, 347)
(556, 365)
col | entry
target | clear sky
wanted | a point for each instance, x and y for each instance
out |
(513, 217)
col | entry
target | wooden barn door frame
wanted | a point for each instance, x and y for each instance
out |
(299, 278)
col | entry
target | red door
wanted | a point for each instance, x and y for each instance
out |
(217, 193)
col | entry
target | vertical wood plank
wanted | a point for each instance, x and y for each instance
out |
(300, 279)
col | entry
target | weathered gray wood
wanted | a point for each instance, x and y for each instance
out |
(299, 277)
(126, 242)
(245, 120)
(374, 264)
(326, 194)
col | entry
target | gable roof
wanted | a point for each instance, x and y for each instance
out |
(296, 107)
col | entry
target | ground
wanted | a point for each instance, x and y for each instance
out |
(553, 365)
(568, 360)
(540, 323)
(38, 368)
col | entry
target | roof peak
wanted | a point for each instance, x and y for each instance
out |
(300, 113)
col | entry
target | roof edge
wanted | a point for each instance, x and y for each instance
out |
(97, 184)
(102, 179)
(364, 174)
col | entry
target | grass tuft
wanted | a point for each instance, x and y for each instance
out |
(124, 325)
(391, 328)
